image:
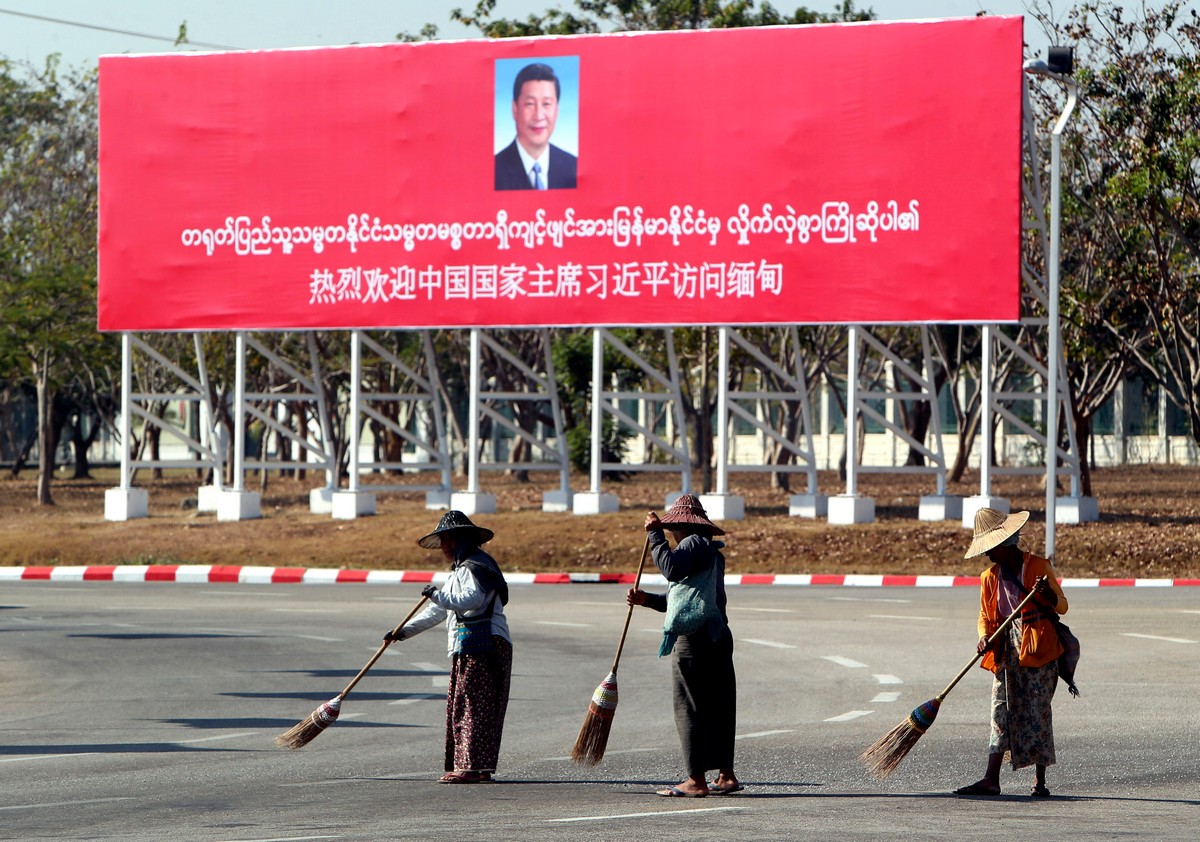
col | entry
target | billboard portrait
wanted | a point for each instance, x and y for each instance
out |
(537, 123)
(774, 175)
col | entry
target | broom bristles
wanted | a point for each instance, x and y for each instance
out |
(886, 753)
(307, 729)
(593, 735)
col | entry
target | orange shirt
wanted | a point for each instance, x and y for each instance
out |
(1039, 640)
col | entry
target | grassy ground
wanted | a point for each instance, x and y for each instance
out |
(1148, 528)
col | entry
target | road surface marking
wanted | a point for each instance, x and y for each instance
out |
(884, 678)
(125, 609)
(46, 757)
(848, 715)
(1158, 637)
(770, 643)
(213, 739)
(641, 815)
(417, 697)
(307, 610)
(844, 662)
(757, 734)
(66, 803)
(885, 697)
(761, 610)
(571, 625)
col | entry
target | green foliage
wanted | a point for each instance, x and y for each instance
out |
(613, 442)
(1131, 206)
(48, 221)
(572, 357)
(594, 16)
(48, 202)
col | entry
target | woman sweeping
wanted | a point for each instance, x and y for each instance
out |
(697, 630)
(478, 643)
(1024, 659)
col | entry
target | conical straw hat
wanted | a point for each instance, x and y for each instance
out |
(455, 522)
(688, 509)
(992, 528)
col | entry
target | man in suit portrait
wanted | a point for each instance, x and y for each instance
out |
(531, 162)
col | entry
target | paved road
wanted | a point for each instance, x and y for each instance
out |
(147, 712)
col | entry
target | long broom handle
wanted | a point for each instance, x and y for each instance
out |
(1002, 628)
(379, 651)
(636, 581)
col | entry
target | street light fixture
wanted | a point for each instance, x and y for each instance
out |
(1059, 65)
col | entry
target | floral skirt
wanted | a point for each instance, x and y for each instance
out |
(1022, 720)
(476, 702)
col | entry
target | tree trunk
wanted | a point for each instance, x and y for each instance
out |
(1083, 433)
(264, 449)
(704, 443)
(81, 445)
(302, 432)
(1194, 413)
(289, 417)
(966, 440)
(23, 456)
(47, 440)
(919, 418)
(782, 480)
(521, 452)
(153, 435)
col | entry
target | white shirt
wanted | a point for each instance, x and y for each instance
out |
(460, 594)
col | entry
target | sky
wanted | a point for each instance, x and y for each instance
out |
(112, 27)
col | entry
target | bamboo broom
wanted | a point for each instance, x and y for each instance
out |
(307, 729)
(593, 736)
(885, 754)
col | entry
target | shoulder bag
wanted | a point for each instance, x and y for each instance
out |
(474, 634)
(691, 606)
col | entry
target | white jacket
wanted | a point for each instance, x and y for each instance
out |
(462, 594)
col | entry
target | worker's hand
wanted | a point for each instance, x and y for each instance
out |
(428, 591)
(652, 522)
(982, 645)
(1044, 593)
(636, 596)
(392, 635)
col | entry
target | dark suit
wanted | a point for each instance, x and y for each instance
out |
(511, 175)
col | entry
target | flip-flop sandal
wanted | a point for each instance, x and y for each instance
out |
(721, 790)
(1039, 791)
(676, 792)
(976, 789)
(465, 778)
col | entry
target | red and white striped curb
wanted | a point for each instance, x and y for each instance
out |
(250, 575)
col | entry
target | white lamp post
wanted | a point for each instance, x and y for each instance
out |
(1059, 69)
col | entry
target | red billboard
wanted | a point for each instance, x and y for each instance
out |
(852, 173)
